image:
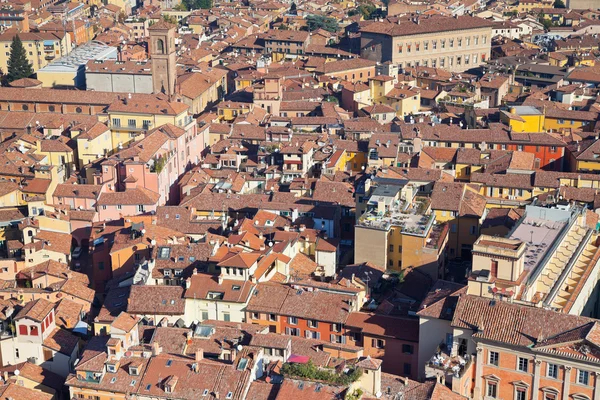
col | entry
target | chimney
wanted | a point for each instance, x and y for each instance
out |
(195, 271)
(156, 349)
(188, 283)
(199, 355)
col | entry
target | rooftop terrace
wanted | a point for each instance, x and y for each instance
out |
(397, 213)
(538, 234)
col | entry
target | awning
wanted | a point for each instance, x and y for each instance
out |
(298, 359)
(81, 328)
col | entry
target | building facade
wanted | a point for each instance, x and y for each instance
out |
(451, 43)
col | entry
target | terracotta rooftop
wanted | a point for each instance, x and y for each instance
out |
(159, 300)
(36, 310)
(426, 25)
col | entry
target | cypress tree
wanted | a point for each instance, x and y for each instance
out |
(18, 64)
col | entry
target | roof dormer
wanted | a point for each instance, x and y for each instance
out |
(171, 383)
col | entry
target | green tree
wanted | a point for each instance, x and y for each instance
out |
(559, 4)
(283, 27)
(314, 22)
(332, 99)
(170, 19)
(367, 10)
(18, 64)
(546, 22)
(197, 4)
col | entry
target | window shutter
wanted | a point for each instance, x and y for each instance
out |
(373, 343)
(287, 331)
(343, 339)
(307, 334)
(332, 338)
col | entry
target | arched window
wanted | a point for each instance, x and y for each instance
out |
(160, 46)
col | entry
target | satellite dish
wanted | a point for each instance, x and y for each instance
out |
(143, 231)
(153, 242)
(17, 372)
(239, 348)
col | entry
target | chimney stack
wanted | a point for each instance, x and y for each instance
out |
(199, 355)
(156, 349)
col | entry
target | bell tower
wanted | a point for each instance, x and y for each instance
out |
(162, 53)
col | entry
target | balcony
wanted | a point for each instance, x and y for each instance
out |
(134, 127)
(117, 125)
(410, 221)
(437, 237)
(446, 366)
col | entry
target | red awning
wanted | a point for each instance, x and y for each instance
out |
(298, 359)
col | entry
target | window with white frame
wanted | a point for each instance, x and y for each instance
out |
(520, 393)
(583, 377)
(522, 364)
(550, 393)
(491, 390)
(552, 371)
(494, 358)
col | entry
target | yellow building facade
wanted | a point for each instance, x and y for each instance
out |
(127, 126)
(41, 48)
(524, 119)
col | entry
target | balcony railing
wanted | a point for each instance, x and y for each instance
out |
(454, 366)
